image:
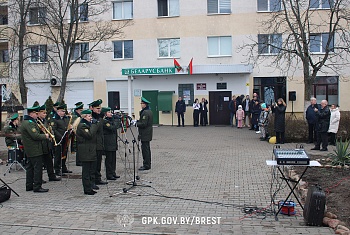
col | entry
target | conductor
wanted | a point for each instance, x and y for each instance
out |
(145, 133)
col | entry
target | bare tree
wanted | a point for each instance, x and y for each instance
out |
(73, 31)
(307, 35)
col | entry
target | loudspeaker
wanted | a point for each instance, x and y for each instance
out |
(114, 100)
(53, 81)
(292, 96)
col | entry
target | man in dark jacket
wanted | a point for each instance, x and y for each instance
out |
(110, 134)
(311, 120)
(31, 139)
(145, 127)
(233, 106)
(61, 125)
(323, 116)
(95, 107)
(180, 109)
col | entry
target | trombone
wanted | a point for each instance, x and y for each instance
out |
(46, 131)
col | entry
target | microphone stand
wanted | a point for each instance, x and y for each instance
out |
(126, 143)
(136, 177)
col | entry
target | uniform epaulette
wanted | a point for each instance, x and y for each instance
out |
(30, 121)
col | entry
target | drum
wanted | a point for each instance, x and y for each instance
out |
(14, 154)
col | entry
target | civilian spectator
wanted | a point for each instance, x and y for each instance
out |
(334, 124)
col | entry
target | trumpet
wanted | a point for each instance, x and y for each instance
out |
(46, 131)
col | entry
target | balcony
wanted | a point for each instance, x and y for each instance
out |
(3, 33)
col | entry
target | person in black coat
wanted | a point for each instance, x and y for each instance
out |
(255, 110)
(279, 109)
(323, 116)
(204, 112)
(180, 109)
(311, 120)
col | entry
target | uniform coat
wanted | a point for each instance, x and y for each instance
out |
(86, 138)
(145, 124)
(31, 137)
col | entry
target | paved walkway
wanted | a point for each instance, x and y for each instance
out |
(202, 179)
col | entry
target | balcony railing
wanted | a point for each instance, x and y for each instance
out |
(3, 33)
(4, 70)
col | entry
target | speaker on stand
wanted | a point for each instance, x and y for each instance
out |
(293, 97)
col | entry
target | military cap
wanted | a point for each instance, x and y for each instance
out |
(56, 104)
(86, 111)
(96, 103)
(62, 106)
(14, 117)
(42, 107)
(33, 109)
(144, 100)
(105, 109)
(79, 105)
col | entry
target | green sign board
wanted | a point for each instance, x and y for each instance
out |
(150, 71)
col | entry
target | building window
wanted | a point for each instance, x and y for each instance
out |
(38, 54)
(318, 43)
(4, 56)
(123, 10)
(219, 6)
(81, 52)
(123, 49)
(326, 88)
(168, 8)
(220, 46)
(186, 91)
(169, 48)
(269, 5)
(321, 4)
(270, 89)
(37, 15)
(81, 13)
(269, 43)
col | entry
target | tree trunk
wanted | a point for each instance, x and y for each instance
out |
(22, 86)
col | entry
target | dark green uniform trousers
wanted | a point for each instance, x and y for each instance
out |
(47, 160)
(111, 163)
(34, 173)
(98, 166)
(146, 154)
(88, 175)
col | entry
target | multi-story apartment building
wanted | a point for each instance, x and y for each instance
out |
(211, 32)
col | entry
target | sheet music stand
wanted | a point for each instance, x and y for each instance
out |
(273, 163)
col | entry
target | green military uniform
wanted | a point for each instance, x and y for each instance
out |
(31, 139)
(10, 131)
(110, 145)
(75, 115)
(145, 127)
(60, 126)
(47, 157)
(53, 113)
(86, 138)
(99, 141)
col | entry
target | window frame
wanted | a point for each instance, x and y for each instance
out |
(268, 4)
(79, 58)
(219, 46)
(218, 8)
(321, 5)
(269, 44)
(41, 19)
(123, 50)
(123, 9)
(329, 82)
(39, 49)
(169, 48)
(321, 45)
(168, 9)
(83, 17)
(278, 84)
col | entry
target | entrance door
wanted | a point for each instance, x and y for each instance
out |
(152, 96)
(219, 113)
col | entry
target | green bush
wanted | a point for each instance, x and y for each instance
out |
(341, 154)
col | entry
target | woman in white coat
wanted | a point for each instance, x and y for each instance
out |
(334, 123)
